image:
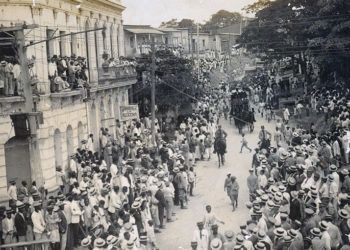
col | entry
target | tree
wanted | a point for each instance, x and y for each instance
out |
(173, 23)
(257, 6)
(186, 23)
(221, 19)
(316, 28)
(174, 78)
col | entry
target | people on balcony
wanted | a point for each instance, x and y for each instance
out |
(67, 73)
(121, 67)
(10, 72)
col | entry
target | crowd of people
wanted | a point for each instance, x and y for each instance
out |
(10, 71)
(299, 194)
(67, 73)
(116, 196)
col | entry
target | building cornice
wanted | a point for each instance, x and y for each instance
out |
(98, 6)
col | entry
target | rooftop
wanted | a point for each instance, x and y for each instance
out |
(142, 29)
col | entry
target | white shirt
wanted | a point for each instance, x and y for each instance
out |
(12, 192)
(73, 165)
(114, 202)
(38, 222)
(16, 71)
(52, 68)
(76, 212)
(202, 242)
(7, 226)
(114, 170)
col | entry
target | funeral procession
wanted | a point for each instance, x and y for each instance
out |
(174, 124)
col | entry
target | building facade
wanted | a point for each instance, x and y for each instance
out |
(138, 38)
(67, 117)
(177, 37)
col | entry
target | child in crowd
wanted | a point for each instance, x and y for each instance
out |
(244, 144)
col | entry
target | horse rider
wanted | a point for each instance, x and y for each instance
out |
(220, 133)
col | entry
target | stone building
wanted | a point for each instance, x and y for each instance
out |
(67, 118)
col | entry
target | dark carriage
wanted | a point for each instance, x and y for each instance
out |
(241, 113)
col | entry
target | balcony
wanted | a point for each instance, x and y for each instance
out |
(116, 75)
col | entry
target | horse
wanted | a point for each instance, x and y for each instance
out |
(220, 149)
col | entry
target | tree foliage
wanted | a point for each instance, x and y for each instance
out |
(314, 28)
(174, 80)
(186, 23)
(222, 18)
(173, 23)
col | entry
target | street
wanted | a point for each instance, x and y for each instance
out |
(210, 190)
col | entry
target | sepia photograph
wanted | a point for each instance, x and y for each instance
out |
(174, 124)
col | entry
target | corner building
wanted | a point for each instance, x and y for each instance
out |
(66, 117)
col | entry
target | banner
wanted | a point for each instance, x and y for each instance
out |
(129, 112)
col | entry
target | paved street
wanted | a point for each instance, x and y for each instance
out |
(209, 190)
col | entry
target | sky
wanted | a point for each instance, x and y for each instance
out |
(153, 12)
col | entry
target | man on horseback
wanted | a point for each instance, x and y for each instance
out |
(220, 144)
(220, 134)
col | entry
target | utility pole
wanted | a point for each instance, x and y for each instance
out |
(198, 51)
(153, 90)
(191, 42)
(29, 109)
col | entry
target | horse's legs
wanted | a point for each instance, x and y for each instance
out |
(223, 159)
(219, 159)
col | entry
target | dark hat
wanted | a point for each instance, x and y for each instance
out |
(200, 223)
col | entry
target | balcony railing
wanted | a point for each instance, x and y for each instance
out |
(116, 74)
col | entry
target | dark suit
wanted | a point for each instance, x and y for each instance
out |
(161, 205)
(63, 226)
(21, 225)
